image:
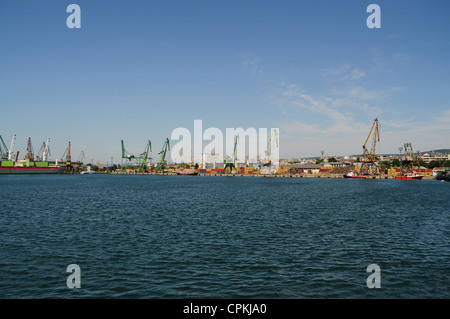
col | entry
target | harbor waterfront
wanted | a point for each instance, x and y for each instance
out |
(268, 175)
(153, 236)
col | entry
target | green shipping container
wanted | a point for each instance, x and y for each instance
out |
(41, 164)
(28, 164)
(7, 163)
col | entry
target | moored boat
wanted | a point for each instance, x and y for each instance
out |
(409, 176)
(353, 175)
(49, 169)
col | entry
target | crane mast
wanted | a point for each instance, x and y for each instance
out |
(68, 155)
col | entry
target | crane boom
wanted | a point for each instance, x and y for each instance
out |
(46, 151)
(81, 157)
(30, 152)
(274, 136)
(236, 140)
(369, 156)
(369, 165)
(3, 150)
(162, 160)
(13, 142)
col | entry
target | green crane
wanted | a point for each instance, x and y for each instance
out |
(140, 160)
(162, 161)
(144, 156)
(229, 163)
(125, 154)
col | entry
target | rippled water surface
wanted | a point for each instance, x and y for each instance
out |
(222, 237)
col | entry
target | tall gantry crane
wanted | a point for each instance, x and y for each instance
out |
(369, 162)
(161, 165)
(230, 162)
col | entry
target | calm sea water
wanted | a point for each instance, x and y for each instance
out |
(222, 237)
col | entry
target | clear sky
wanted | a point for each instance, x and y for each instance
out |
(136, 70)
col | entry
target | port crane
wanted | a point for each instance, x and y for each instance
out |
(144, 156)
(268, 156)
(3, 150)
(369, 165)
(410, 160)
(69, 168)
(141, 159)
(11, 157)
(82, 157)
(67, 153)
(44, 151)
(125, 154)
(161, 165)
(230, 162)
(30, 152)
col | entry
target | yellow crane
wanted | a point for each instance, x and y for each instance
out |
(369, 165)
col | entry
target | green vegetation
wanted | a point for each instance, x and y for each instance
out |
(442, 163)
(397, 163)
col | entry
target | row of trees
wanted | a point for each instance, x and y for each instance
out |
(398, 163)
(115, 167)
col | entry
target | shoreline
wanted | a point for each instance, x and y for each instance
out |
(425, 177)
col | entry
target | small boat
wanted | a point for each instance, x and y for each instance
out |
(409, 176)
(88, 172)
(353, 175)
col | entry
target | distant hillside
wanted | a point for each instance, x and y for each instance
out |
(443, 150)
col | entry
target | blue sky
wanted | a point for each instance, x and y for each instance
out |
(136, 70)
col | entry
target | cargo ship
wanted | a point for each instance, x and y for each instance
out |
(31, 164)
(24, 167)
